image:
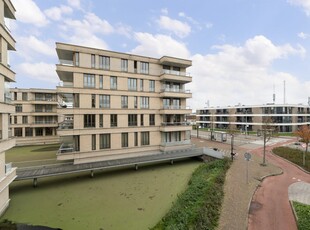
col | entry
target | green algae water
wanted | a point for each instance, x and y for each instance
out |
(124, 199)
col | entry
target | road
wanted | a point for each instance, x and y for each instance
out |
(270, 208)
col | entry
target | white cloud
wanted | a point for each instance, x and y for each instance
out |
(89, 40)
(305, 4)
(31, 44)
(159, 45)
(28, 12)
(303, 35)
(179, 28)
(39, 71)
(74, 3)
(164, 11)
(55, 13)
(244, 74)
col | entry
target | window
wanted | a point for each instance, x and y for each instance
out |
(25, 96)
(15, 96)
(144, 67)
(105, 141)
(113, 82)
(18, 132)
(132, 120)
(18, 108)
(152, 119)
(113, 120)
(104, 101)
(76, 59)
(15, 119)
(100, 120)
(136, 139)
(48, 131)
(89, 80)
(104, 62)
(25, 120)
(135, 102)
(93, 100)
(100, 82)
(89, 121)
(124, 140)
(93, 61)
(132, 84)
(144, 102)
(166, 103)
(124, 102)
(28, 132)
(141, 120)
(124, 65)
(39, 131)
(152, 85)
(48, 108)
(135, 64)
(145, 138)
(141, 84)
(177, 136)
(93, 142)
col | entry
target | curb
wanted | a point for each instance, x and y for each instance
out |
(261, 180)
(294, 213)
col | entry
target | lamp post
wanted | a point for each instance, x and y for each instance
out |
(246, 122)
(232, 146)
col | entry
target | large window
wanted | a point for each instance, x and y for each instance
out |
(124, 65)
(100, 120)
(76, 59)
(93, 141)
(113, 82)
(136, 138)
(141, 119)
(144, 67)
(25, 96)
(113, 120)
(39, 131)
(132, 120)
(48, 131)
(135, 102)
(144, 102)
(89, 120)
(104, 62)
(132, 84)
(141, 84)
(124, 102)
(25, 119)
(124, 140)
(145, 138)
(105, 141)
(100, 81)
(93, 61)
(18, 108)
(152, 85)
(104, 101)
(93, 100)
(28, 132)
(18, 132)
(152, 119)
(89, 80)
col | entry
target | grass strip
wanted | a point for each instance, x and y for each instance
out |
(293, 155)
(198, 207)
(303, 214)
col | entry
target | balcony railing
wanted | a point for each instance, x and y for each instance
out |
(172, 143)
(66, 125)
(175, 123)
(45, 99)
(175, 107)
(66, 148)
(174, 90)
(173, 72)
(8, 168)
(65, 62)
(44, 122)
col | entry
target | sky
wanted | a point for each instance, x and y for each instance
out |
(242, 51)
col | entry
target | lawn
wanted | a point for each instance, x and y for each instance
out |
(293, 155)
(303, 214)
(23, 156)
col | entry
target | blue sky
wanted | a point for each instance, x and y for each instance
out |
(241, 50)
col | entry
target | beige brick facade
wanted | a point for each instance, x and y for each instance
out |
(7, 43)
(117, 105)
(35, 119)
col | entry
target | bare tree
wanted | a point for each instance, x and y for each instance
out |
(304, 133)
(267, 132)
(231, 131)
(212, 120)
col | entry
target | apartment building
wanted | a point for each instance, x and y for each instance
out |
(285, 117)
(7, 43)
(117, 105)
(35, 120)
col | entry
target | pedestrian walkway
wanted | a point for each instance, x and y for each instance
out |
(300, 192)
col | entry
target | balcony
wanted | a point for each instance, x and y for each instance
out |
(66, 62)
(175, 145)
(174, 92)
(172, 61)
(175, 126)
(66, 148)
(66, 124)
(176, 76)
(175, 109)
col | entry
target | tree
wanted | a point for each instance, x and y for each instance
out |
(268, 130)
(212, 120)
(231, 131)
(304, 133)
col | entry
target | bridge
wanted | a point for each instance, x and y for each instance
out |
(68, 168)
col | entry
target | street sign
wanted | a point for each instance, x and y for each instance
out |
(247, 156)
